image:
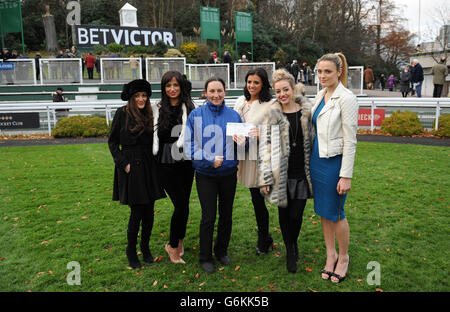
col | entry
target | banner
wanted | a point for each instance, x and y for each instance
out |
(210, 23)
(365, 116)
(19, 120)
(91, 35)
(244, 27)
(10, 16)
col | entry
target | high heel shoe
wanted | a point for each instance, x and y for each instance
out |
(180, 247)
(173, 254)
(328, 272)
(339, 277)
(263, 245)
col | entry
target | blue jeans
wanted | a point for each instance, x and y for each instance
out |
(419, 89)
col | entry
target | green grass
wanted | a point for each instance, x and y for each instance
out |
(55, 207)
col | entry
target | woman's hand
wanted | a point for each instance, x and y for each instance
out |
(127, 168)
(239, 139)
(218, 160)
(344, 185)
(254, 132)
(265, 189)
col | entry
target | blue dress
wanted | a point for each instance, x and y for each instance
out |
(325, 177)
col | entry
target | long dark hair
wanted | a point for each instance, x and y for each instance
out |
(264, 94)
(141, 120)
(164, 104)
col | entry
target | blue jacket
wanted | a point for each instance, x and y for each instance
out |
(206, 138)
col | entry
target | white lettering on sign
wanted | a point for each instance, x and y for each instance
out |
(102, 35)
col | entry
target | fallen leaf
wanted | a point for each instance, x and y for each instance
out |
(196, 275)
(237, 268)
(165, 286)
(379, 290)
(44, 243)
(233, 280)
(309, 269)
(187, 281)
(84, 217)
(2, 259)
(50, 272)
(221, 268)
(155, 282)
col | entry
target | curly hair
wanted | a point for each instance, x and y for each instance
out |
(283, 74)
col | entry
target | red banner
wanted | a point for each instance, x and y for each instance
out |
(365, 116)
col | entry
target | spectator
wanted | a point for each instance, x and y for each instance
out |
(36, 63)
(369, 77)
(228, 60)
(391, 82)
(305, 73)
(417, 77)
(90, 63)
(439, 72)
(295, 70)
(211, 59)
(243, 59)
(382, 82)
(405, 79)
(59, 96)
(310, 75)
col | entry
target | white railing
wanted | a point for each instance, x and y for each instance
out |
(61, 70)
(120, 70)
(241, 70)
(433, 105)
(199, 73)
(23, 69)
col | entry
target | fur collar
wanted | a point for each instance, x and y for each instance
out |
(180, 141)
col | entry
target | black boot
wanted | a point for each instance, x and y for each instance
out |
(291, 263)
(145, 249)
(132, 257)
(264, 244)
(131, 248)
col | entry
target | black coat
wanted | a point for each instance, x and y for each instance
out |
(141, 185)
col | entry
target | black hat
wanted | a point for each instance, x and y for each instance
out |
(60, 89)
(138, 85)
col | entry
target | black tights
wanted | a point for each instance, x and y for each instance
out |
(291, 219)
(261, 212)
(140, 214)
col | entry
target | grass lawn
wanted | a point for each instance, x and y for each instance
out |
(55, 207)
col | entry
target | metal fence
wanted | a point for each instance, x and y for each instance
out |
(61, 70)
(428, 109)
(155, 67)
(120, 70)
(23, 71)
(199, 73)
(241, 70)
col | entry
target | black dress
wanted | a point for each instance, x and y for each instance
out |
(141, 185)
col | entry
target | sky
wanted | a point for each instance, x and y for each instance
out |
(429, 20)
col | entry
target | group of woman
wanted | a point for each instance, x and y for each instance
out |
(293, 150)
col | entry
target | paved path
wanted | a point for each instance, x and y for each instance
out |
(362, 138)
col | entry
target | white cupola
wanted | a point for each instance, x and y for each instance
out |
(128, 16)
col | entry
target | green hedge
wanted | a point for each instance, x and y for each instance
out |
(81, 126)
(444, 126)
(402, 124)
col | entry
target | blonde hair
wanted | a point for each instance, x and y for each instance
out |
(341, 62)
(282, 74)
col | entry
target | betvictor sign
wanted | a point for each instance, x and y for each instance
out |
(91, 35)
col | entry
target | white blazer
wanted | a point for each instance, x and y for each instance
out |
(336, 127)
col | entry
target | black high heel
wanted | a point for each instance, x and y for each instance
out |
(341, 278)
(264, 245)
(328, 272)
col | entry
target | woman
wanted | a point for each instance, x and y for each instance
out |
(135, 177)
(335, 117)
(253, 107)
(294, 178)
(405, 81)
(176, 174)
(214, 160)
